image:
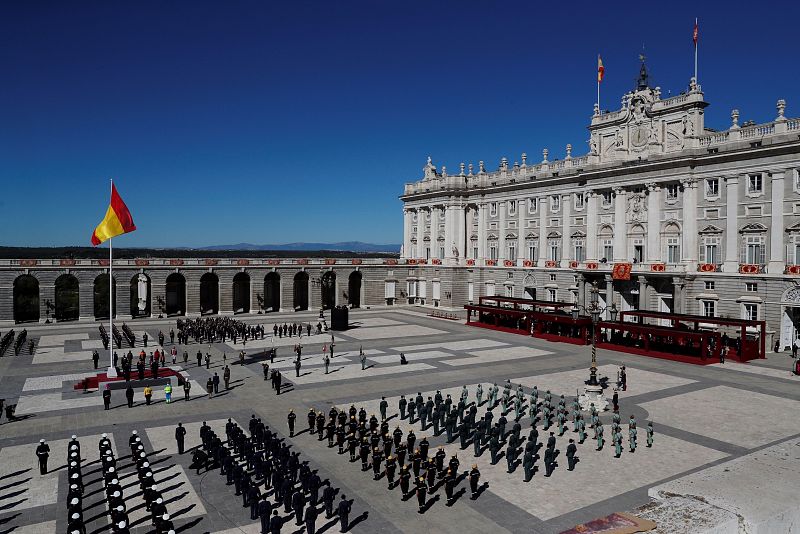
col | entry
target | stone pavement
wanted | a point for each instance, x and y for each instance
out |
(713, 424)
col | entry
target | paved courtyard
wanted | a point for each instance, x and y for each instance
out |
(705, 419)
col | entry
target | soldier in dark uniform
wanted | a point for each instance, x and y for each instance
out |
(402, 403)
(391, 465)
(377, 458)
(421, 489)
(549, 459)
(344, 512)
(43, 453)
(363, 453)
(449, 486)
(290, 419)
(383, 406)
(180, 434)
(275, 523)
(264, 511)
(571, 451)
(312, 417)
(439, 457)
(298, 504)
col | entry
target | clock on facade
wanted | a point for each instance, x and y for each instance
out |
(639, 136)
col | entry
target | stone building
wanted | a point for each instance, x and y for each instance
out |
(691, 219)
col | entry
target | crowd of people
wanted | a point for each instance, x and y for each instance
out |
(262, 464)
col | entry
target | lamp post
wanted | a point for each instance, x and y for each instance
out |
(593, 392)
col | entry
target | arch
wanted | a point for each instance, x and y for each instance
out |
(300, 291)
(67, 298)
(354, 289)
(637, 229)
(26, 299)
(140, 296)
(272, 292)
(209, 294)
(671, 227)
(241, 293)
(328, 283)
(101, 297)
(175, 295)
(605, 231)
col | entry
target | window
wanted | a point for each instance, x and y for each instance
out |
(493, 250)
(750, 311)
(512, 207)
(708, 285)
(474, 252)
(578, 221)
(493, 209)
(672, 191)
(709, 251)
(512, 251)
(673, 250)
(751, 287)
(532, 253)
(441, 253)
(755, 184)
(532, 205)
(580, 250)
(555, 202)
(607, 199)
(607, 249)
(796, 180)
(554, 252)
(509, 291)
(708, 308)
(796, 248)
(578, 201)
(427, 253)
(712, 187)
(552, 294)
(753, 249)
(552, 277)
(638, 251)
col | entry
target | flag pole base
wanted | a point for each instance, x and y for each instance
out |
(111, 372)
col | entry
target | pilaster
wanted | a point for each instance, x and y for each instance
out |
(776, 247)
(731, 264)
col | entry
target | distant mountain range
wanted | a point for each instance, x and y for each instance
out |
(346, 246)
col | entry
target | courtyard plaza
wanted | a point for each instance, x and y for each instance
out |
(734, 424)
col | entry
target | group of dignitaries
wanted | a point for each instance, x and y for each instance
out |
(371, 441)
(263, 459)
(211, 329)
(113, 489)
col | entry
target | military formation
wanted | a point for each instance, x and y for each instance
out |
(401, 458)
(262, 464)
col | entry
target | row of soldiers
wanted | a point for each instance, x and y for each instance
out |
(263, 458)
(210, 329)
(373, 445)
(154, 500)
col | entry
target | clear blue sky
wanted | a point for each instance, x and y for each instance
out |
(272, 122)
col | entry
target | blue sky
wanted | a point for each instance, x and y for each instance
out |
(273, 122)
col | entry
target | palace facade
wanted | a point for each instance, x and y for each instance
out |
(663, 213)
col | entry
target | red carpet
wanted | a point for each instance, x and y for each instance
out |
(94, 381)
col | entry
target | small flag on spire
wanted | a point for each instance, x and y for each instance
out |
(600, 69)
(696, 33)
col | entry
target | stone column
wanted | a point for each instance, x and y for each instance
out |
(731, 264)
(642, 292)
(435, 232)
(689, 231)
(591, 226)
(193, 298)
(459, 231)
(420, 232)
(469, 213)
(482, 232)
(542, 204)
(678, 298)
(501, 230)
(609, 295)
(226, 291)
(776, 247)
(566, 251)
(654, 204)
(407, 223)
(620, 230)
(522, 207)
(86, 295)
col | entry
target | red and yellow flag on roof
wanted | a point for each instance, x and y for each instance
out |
(600, 69)
(118, 220)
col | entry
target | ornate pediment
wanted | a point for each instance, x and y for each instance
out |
(553, 235)
(578, 234)
(753, 228)
(795, 228)
(711, 229)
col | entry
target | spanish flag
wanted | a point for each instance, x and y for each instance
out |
(600, 69)
(118, 220)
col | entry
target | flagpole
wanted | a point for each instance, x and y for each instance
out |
(695, 52)
(112, 371)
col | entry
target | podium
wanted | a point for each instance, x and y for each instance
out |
(339, 318)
